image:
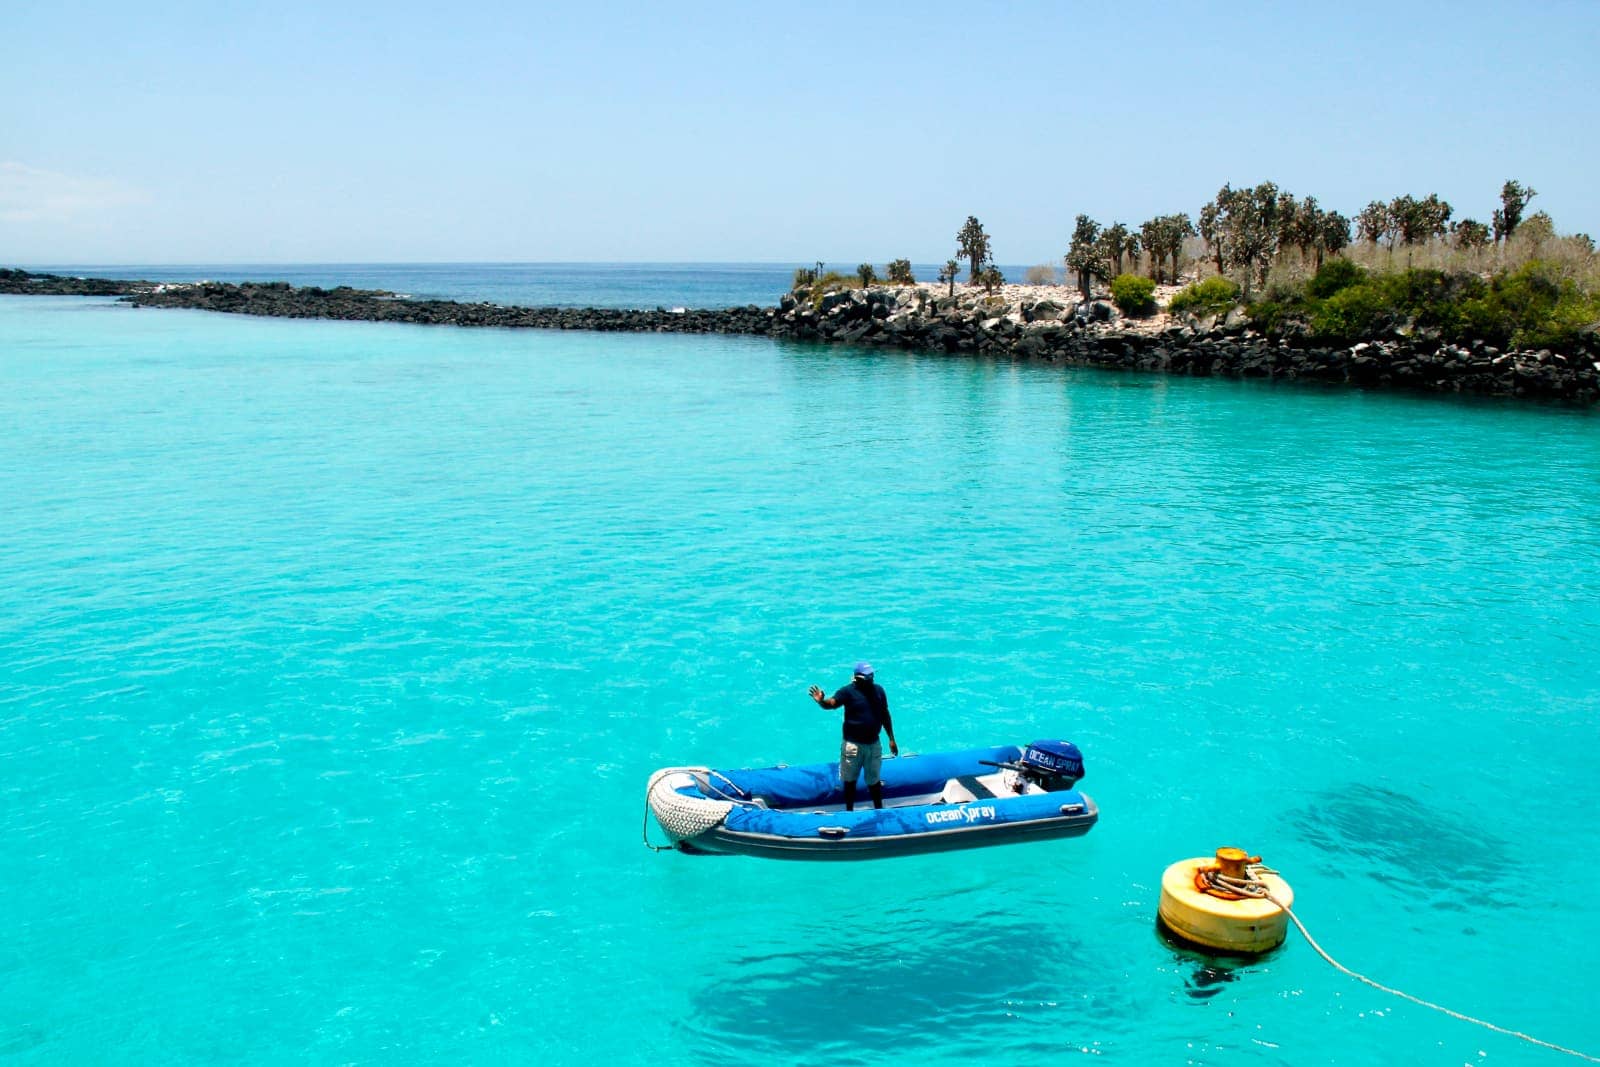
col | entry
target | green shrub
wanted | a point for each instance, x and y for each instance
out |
(1336, 274)
(1285, 292)
(1355, 313)
(1533, 306)
(1358, 310)
(1434, 300)
(1210, 297)
(1539, 304)
(1271, 316)
(1133, 294)
(900, 272)
(1572, 316)
(1569, 318)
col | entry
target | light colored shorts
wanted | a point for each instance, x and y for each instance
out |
(853, 758)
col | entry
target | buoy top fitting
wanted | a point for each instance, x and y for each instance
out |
(1232, 862)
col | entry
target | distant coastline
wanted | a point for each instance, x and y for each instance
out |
(1045, 323)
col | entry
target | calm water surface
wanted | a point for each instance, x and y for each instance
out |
(334, 657)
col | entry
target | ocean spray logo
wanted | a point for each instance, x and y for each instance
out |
(967, 815)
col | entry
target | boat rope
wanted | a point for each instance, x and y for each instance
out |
(1254, 888)
(738, 798)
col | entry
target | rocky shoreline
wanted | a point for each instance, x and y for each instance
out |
(1019, 322)
(22, 283)
(1091, 333)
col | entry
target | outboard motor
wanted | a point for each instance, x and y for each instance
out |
(1054, 765)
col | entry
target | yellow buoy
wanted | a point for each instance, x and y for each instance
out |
(1198, 904)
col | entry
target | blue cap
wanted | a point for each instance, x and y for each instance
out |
(864, 670)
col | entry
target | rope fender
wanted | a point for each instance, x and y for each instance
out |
(681, 816)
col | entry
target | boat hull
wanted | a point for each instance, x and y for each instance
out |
(720, 839)
(797, 813)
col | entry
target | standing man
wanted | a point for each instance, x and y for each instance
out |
(866, 711)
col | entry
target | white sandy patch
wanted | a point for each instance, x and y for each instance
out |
(1065, 295)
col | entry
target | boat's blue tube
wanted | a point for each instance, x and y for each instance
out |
(892, 822)
(817, 784)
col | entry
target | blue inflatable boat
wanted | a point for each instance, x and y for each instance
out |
(950, 800)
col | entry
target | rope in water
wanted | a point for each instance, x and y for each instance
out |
(1258, 890)
(649, 844)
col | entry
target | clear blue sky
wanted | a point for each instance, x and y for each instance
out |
(337, 132)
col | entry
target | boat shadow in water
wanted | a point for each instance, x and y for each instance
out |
(921, 987)
(1406, 846)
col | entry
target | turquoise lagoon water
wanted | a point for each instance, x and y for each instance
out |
(336, 655)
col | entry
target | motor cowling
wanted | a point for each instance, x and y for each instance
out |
(1055, 765)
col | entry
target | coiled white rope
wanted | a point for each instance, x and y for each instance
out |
(1250, 887)
(681, 816)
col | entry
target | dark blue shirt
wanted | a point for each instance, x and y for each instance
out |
(866, 711)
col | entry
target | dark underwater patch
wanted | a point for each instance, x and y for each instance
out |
(1394, 838)
(872, 989)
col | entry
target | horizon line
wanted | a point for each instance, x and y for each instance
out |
(460, 263)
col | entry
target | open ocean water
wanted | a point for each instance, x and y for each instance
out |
(334, 658)
(609, 285)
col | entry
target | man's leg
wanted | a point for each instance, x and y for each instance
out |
(874, 769)
(849, 770)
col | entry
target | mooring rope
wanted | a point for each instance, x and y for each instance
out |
(1250, 887)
